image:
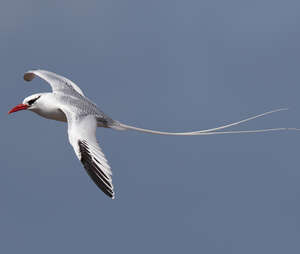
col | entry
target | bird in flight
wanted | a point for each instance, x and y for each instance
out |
(67, 103)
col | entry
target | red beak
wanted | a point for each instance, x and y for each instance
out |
(18, 107)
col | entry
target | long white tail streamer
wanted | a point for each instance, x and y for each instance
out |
(212, 131)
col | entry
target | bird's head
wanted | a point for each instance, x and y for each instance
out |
(31, 102)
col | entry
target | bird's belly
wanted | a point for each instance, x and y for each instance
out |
(53, 114)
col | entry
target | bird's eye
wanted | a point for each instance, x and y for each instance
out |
(30, 102)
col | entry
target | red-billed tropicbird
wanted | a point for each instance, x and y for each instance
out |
(67, 103)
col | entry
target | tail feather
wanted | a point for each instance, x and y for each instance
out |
(212, 131)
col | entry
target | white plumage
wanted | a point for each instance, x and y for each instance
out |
(68, 103)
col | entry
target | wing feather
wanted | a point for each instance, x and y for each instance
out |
(57, 82)
(82, 136)
(94, 169)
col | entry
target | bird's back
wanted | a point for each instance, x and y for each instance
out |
(82, 106)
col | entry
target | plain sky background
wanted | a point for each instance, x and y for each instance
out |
(168, 65)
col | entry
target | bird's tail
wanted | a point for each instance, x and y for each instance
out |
(212, 131)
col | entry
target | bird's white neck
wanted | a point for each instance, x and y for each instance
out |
(47, 106)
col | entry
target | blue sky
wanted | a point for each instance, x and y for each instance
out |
(167, 65)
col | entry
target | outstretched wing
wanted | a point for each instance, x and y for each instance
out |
(57, 82)
(82, 136)
(96, 166)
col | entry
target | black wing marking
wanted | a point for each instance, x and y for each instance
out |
(93, 168)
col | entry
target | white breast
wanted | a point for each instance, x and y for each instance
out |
(51, 113)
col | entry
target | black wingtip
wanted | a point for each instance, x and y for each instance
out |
(93, 170)
(28, 76)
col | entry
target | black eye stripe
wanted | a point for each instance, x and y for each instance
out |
(33, 100)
